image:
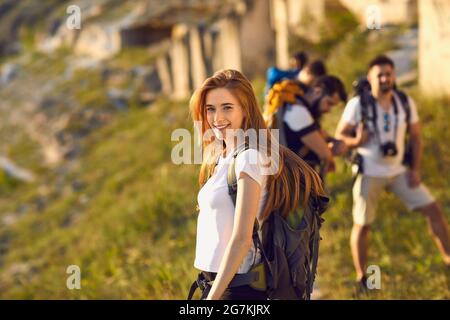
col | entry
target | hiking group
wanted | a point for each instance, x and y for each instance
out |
(258, 232)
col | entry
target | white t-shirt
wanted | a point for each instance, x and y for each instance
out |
(298, 117)
(216, 216)
(374, 163)
(300, 123)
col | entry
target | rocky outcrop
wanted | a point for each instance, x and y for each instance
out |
(15, 171)
(98, 42)
(389, 12)
(434, 47)
(8, 72)
(191, 39)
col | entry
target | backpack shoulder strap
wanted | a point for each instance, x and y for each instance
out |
(405, 105)
(232, 191)
(280, 124)
(366, 103)
(231, 175)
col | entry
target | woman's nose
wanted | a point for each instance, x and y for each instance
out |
(218, 116)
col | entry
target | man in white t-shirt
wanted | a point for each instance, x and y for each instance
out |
(378, 134)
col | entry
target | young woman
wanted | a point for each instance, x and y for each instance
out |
(225, 103)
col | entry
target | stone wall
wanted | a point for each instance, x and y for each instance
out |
(306, 17)
(434, 46)
(257, 39)
(229, 44)
(280, 24)
(241, 40)
(239, 36)
(98, 41)
(302, 18)
(251, 35)
(179, 56)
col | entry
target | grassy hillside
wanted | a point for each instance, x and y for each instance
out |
(130, 226)
(126, 215)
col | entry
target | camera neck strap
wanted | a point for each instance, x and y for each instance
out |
(372, 103)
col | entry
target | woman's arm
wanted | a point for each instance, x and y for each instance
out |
(247, 204)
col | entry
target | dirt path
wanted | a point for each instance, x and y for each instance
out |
(405, 56)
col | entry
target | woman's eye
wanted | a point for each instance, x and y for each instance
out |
(209, 109)
(227, 107)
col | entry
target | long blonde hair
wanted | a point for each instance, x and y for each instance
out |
(294, 180)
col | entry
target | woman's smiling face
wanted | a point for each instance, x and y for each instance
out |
(223, 111)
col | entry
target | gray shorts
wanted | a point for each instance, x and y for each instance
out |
(367, 190)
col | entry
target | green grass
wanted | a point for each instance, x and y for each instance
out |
(130, 57)
(134, 237)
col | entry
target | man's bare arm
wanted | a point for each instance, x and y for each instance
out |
(346, 132)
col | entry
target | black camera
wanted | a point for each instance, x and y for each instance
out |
(389, 149)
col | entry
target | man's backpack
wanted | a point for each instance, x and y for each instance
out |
(289, 92)
(289, 247)
(276, 75)
(281, 94)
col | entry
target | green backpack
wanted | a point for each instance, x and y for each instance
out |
(289, 247)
